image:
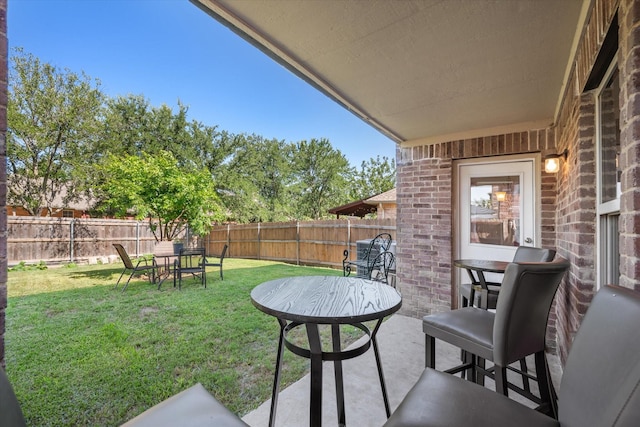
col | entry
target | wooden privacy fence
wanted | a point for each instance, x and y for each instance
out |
(34, 239)
(319, 243)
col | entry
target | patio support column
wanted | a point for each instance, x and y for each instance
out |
(629, 65)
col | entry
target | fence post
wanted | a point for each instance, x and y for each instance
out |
(137, 238)
(229, 239)
(71, 233)
(258, 257)
(297, 242)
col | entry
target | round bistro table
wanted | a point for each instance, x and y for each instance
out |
(476, 269)
(310, 301)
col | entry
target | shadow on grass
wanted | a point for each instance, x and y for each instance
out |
(96, 274)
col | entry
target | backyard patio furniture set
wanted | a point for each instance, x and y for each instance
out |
(170, 260)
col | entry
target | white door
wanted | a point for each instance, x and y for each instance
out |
(496, 208)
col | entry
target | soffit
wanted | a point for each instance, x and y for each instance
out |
(422, 70)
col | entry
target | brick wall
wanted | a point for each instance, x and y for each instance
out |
(425, 214)
(424, 231)
(629, 64)
(576, 217)
(3, 171)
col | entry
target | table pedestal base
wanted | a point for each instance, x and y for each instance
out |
(317, 356)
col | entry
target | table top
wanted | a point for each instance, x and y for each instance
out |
(326, 299)
(482, 265)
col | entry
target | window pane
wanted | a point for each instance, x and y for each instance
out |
(610, 141)
(495, 210)
(610, 255)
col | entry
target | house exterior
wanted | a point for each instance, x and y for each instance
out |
(466, 85)
(385, 204)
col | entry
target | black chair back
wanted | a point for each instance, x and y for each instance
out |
(531, 254)
(523, 307)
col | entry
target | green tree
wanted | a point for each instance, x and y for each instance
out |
(254, 183)
(321, 178)
(154, 187)
(133, 127)
(53, 120)
(374, 177)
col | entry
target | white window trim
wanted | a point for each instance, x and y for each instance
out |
(612, 206)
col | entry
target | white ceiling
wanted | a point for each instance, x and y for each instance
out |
(422, 70)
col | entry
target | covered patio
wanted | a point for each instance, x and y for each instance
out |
(462, 83)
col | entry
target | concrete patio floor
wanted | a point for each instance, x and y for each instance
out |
(401, 343)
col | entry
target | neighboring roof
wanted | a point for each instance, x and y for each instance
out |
(82, 204)
(386, 197)
(365, 206)
(359, 208)
(423, 71)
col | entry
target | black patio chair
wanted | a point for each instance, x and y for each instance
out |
(381, 268)
(189, 261)
(209, 263)
(379, 244)
(141, 267)
(600, 385)
(516, 330)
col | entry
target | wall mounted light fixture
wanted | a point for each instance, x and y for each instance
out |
(552, 161)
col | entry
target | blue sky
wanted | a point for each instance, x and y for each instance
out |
(169, 50)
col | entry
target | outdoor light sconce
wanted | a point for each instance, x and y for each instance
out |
(501, 196)
(552, 161)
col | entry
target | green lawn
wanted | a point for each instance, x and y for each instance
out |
(79, 353)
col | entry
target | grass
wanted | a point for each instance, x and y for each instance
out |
(79, 353)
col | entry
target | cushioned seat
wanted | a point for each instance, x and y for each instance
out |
(600, 386)
(193, 407)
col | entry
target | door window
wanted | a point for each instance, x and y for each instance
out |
(495, 210)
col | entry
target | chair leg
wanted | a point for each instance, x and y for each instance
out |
(430, 352)
(525, 379)
(500, 376)
(221, 277)
(472, 297)
(128, 280)
(545, 384)
(120, 278)
(472, 361)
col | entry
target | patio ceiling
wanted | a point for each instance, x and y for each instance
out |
(422, 71)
